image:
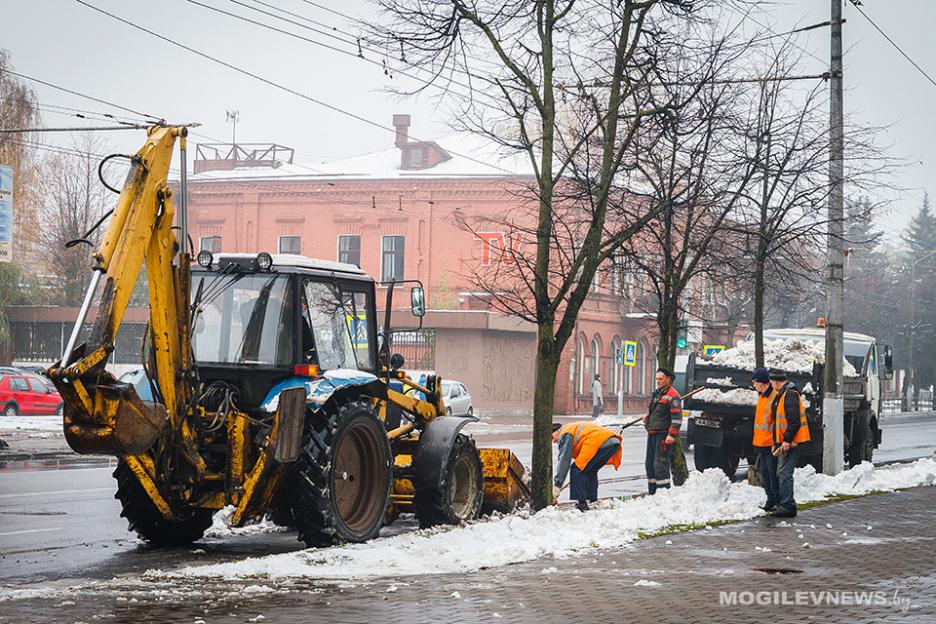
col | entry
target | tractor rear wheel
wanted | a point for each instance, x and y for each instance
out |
(461, 493)
(144, 518)
(341, 484)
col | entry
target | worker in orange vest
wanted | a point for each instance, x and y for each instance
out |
(787, 418)
(764, 439)
(586, 448)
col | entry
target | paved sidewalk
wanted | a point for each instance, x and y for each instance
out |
(883, 544)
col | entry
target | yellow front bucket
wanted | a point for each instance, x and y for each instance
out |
(504, 488)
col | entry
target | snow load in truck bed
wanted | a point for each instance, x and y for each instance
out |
(792, 355)
(737, 396)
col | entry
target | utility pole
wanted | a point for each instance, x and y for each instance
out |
(833, 403)
(233, 116)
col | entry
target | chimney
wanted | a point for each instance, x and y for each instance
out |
(401, 123)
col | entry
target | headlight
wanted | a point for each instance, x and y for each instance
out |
(264, 261)
(204, 259)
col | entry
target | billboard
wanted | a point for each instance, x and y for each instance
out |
(6, 213)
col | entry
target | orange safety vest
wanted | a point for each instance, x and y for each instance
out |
(587, 438)
(762, 426)
(802, 434)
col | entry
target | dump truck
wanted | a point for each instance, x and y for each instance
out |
(722, 427)
(273, 391)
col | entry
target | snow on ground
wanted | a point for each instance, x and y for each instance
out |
(221, 527)
(32, 426)
(790, 355)
(556, 533)
(737, 396)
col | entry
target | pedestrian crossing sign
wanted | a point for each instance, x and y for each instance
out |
(712, 349)
(357, 328)
(630, 353)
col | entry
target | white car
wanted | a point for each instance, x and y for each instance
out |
(457, 399)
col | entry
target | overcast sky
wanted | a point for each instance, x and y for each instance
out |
(68, 44)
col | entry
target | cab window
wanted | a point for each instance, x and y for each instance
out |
(336, 326)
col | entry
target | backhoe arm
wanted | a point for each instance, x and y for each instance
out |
(102, 415)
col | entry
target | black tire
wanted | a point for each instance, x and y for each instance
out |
(461, 494)
(341, 485)
(861, 447)
(730, 465)
(147, 522)
(703, 457)
(280, 512)
(10, 410)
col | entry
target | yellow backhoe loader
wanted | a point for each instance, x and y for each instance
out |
(269, 389)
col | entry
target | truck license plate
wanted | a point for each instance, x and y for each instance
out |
(705, 422)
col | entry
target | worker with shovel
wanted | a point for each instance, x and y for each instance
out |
(586, 448)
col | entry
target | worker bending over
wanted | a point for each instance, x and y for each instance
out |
(586, 447)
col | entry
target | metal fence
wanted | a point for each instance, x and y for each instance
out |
(45, 341)
(417, 348)
(901, 403)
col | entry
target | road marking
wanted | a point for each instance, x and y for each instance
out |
(30, 531)
(55, 492)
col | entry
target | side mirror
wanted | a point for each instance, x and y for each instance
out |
(418, 301)
(888, 362)
(396, 361)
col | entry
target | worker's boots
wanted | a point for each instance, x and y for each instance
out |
(582, 505)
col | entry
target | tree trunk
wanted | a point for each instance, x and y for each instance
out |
(544, 392)
(668, 324)
(759, 310)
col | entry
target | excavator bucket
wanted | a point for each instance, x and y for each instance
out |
(504, 487)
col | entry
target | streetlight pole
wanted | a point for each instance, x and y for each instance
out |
(911, 387)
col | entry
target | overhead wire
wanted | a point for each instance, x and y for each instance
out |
(268, 81)
(897, 47)
(82, 95)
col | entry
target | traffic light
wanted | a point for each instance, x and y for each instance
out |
(682, 337)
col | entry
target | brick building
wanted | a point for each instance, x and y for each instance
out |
(400, 213)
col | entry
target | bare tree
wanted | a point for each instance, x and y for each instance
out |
(530, 63)
(71, 201)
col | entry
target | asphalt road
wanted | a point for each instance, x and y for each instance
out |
(63, 523)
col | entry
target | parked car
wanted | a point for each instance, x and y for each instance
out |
(33, 369)
(457, 398)
(28, 394)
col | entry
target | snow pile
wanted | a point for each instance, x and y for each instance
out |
(37, 427)
(792, 356)
(554, 533)
(719, 381)
(737, 396)
(221, 525)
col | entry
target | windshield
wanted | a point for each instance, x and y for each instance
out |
(244, 319)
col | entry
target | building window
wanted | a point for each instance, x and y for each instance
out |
(349, 250)
(392, 266)
(580, 367)
(290, 244)
(594, 360)
(209, 243)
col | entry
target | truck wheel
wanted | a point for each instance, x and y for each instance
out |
(861, 447)
(730, 465)
(148, 523)
(702, 457)
(342, 479)
(459, 497)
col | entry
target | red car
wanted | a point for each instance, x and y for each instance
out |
(25, 394)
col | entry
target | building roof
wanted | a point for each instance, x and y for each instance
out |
(472, 156)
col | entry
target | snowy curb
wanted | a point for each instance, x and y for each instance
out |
(554, 533)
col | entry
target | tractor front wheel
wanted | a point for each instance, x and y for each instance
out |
(459, 497)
